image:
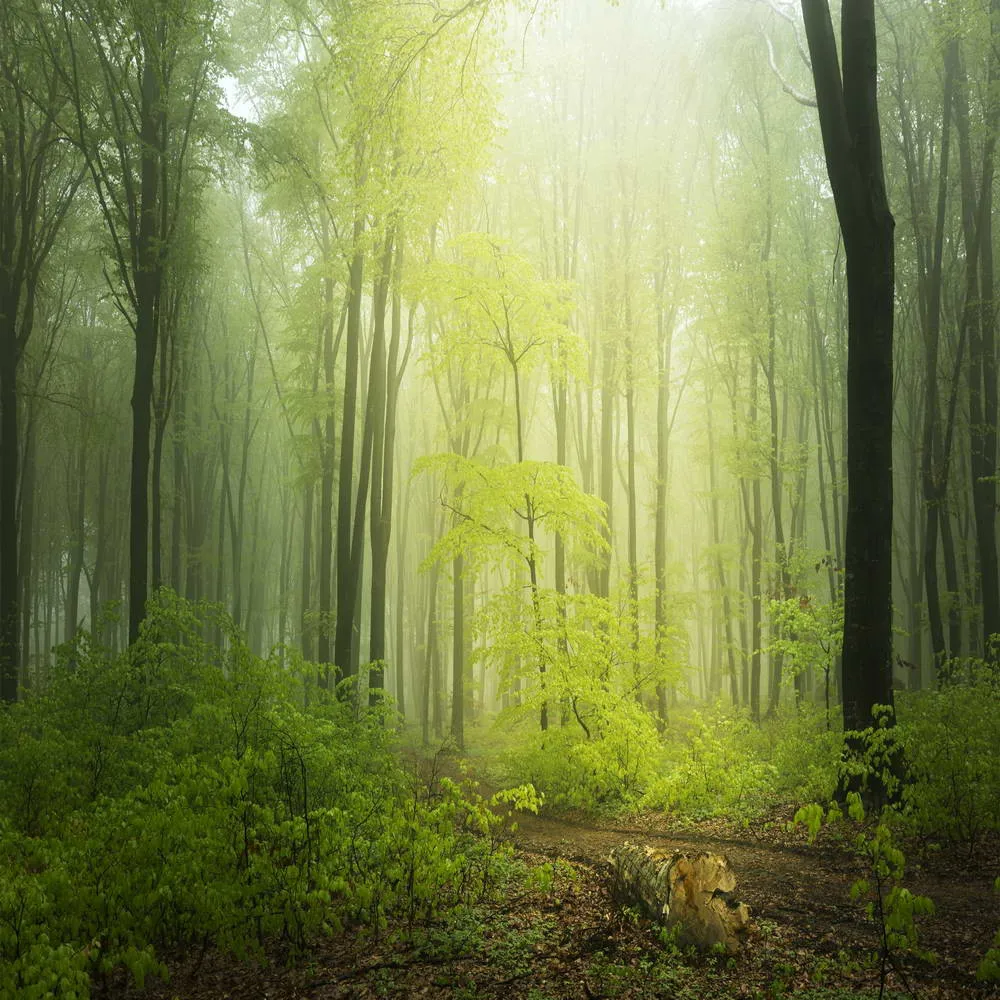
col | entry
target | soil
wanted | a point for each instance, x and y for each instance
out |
(569, 939)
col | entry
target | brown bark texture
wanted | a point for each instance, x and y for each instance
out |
(693, 892)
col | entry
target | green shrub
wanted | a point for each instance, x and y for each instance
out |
(607, 771)
(950, 738)
(713, 769)
(989, 967)
(181, 795)
(803, 753)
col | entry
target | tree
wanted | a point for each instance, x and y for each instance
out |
(848, 113)
(137, 77)
(505, 310)
(39, 176)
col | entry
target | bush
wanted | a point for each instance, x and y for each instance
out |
(714, 769)
(183, 795)
(607, 771)
(804, 753)
(950, 738)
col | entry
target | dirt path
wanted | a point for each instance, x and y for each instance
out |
(568, 940)
(800, 893)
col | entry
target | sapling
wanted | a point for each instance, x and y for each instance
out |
(889, 905)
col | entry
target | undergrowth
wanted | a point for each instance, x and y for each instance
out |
(187, 794)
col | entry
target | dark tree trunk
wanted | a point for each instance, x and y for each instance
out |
(9, 575)
(347, 583)
(147, 282)
(632, 514)
(386, 392)
(74, 570)
(179, 485)
(848, 114)
(305, 596)
(327, 446)
(607, 461)
(934, 480)
(664, 346)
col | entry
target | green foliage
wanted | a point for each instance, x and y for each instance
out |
(872, 760)
(714, 770)
(809, 635)
(989, 967)
(803, 752)
(181, 795)
(490, 506)
(950, 738)
(607, 771)
(890, 907)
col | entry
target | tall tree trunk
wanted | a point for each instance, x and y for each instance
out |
(458, 653)
(327, 459)
(984, 443)
(933, 478)
(27, 572)
(753, 514)
(9, 482)
(386, 391)
(179, 476)
(664, 348)
(607, 461)
(74, 569)
(347, 584)
(848, 114)
(147, 281)
(402, 515)
(720, 563)
(306, 628)
(632, 512)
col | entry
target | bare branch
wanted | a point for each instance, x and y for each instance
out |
(797, 95)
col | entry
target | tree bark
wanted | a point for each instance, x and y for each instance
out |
(694, 891)
(347, 585)
(848, 114)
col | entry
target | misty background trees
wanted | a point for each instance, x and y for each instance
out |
(494, 357)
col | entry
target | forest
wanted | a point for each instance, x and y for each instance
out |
(469, 468)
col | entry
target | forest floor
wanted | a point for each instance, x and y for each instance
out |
(563, 937)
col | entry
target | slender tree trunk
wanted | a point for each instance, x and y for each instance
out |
(664, 347)
(327, 460)
(28, 572)
(74, 570)
(607, 461)
(147, 281)
(347, 584)
(306, 629)
(9, 570)
(753, 513)
(720, 564)
(933, 463)
(402, 515)
(100, 545)
(458, 654)
(385, 392)
(178, 489)
(632, 514)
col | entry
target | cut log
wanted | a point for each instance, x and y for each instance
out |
(694, 891)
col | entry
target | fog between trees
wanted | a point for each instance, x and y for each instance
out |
(493, 355)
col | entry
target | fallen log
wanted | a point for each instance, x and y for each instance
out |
(694, 892)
